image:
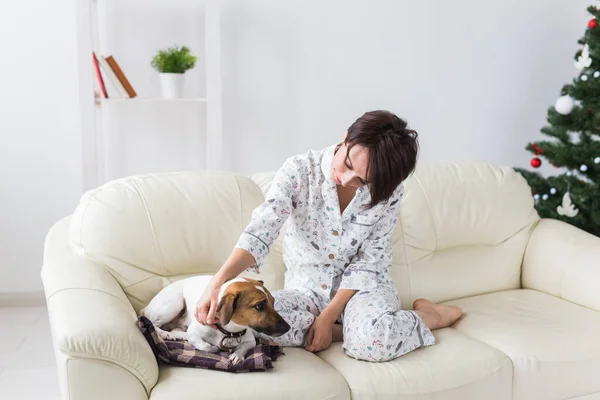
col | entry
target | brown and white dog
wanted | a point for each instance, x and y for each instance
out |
(243, 305)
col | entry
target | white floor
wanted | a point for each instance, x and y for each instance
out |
(27, 366)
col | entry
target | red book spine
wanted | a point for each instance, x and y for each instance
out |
(99, 75)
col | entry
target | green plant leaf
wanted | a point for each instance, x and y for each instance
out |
(175, 59)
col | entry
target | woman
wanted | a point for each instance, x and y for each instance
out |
(342, 203)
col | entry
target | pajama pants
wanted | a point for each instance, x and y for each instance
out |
(374, 326)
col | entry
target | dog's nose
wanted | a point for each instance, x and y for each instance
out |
(282, 327)
(278, 329)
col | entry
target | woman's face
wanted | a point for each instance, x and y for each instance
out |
(350, 170)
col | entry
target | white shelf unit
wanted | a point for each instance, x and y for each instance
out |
(96, 160)
(158, 99)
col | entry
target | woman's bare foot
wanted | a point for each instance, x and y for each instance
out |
(436, 316)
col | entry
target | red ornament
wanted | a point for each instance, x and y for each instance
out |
(535, 161)
(592, 24)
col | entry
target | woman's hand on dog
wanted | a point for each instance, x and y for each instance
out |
(320, 334)
(206, 307)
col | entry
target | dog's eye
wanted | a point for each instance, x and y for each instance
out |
(260, 306)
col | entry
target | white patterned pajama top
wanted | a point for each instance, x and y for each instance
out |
(325, 250)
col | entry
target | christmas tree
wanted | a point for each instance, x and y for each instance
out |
(574, 144)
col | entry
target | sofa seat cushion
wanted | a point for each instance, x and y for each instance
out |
(552, 343)
(456, 367)
(296, 375)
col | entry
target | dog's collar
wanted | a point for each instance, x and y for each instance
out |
(230, 335)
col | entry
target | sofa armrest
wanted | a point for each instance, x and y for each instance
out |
(564, 261)
(90, 316)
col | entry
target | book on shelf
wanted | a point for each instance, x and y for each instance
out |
(99, 77)
(115, 75)
(124, 81)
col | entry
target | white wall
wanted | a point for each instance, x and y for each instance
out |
(473, 78)
(40, 157)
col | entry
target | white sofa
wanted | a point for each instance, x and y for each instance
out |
(467, 235)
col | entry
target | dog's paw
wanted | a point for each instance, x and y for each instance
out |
(203, 346)
(176, 335)
(165, 335)
(235, 358)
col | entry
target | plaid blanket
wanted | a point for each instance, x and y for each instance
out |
(181, 353)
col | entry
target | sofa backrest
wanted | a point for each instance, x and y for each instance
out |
(462, 229)
(153, 229)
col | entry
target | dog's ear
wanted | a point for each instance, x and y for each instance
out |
(225, 308)
(255, 281)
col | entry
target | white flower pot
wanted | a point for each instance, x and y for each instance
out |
(171, 85)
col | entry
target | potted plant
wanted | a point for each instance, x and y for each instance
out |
(172, 64)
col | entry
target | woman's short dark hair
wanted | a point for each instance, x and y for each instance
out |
(392, 147)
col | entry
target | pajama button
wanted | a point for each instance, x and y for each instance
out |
(324, 286)
(331, 256)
